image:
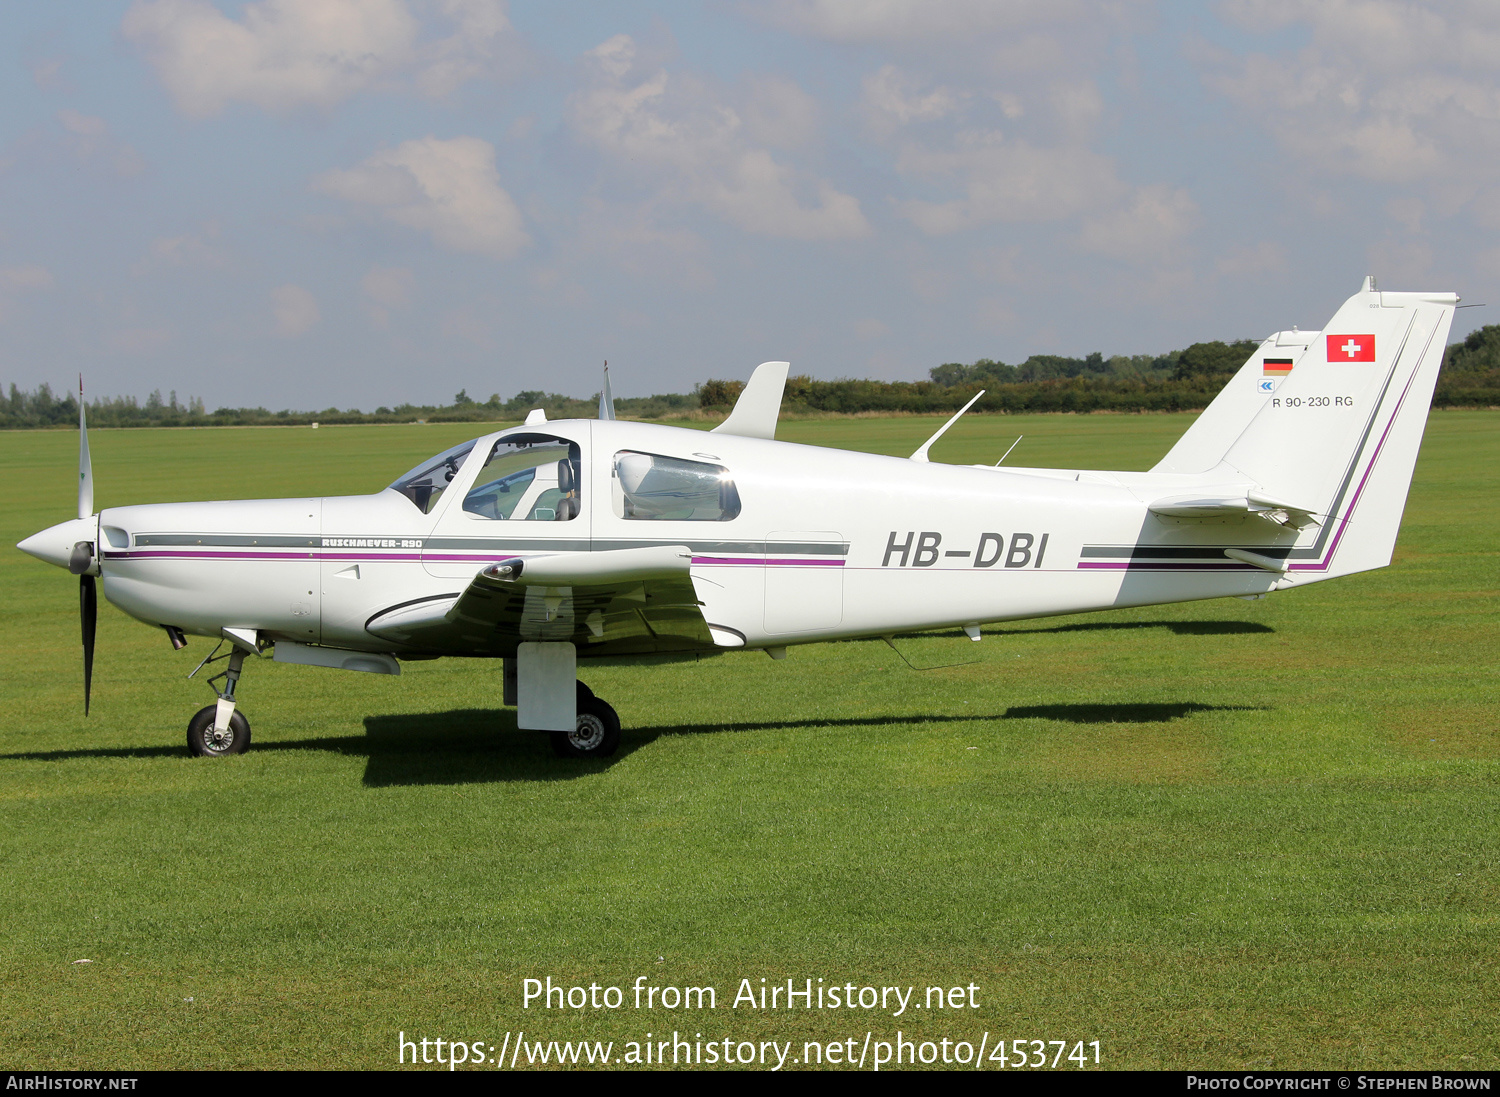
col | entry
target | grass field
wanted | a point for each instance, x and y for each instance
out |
(1223, 834)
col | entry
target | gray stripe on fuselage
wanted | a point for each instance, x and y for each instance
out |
(489, 544)
(225, 539)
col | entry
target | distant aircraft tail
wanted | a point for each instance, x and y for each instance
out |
(1337, 436)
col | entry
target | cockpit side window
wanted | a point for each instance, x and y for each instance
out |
(425, 484)
(528, 477)
(648, 487)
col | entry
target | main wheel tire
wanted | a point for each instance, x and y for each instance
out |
(584, 693)
(203, 743)
(595, 735)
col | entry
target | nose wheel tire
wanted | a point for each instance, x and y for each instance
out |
(204, 743)
(596, 734)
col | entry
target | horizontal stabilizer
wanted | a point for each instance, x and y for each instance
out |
(1221, 507)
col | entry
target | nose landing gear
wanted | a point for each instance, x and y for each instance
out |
(219, 729)
(206, 741)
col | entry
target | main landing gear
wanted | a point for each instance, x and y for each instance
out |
(596, 733)
(220, 729)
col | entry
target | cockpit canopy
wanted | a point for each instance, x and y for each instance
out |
(532, 477)
(526, 476)
(536, 477)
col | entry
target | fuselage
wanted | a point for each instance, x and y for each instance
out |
(820, 544)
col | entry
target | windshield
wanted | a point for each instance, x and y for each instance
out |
(425, 484)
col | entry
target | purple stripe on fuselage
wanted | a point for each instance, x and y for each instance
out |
(1149, 565)
(751, 561)
(204, 554)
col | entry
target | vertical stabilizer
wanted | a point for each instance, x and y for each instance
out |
(1339, 434)
(759, 406)
(1225, 419)
(606, 398)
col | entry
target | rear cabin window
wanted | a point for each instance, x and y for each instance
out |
(649, 488)
(528, 477)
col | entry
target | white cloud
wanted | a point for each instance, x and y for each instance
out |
(1009, 181)
(1078, 106)
(481, 44)
(1398, 92)
(447, 188)
(902, 21)
(1400, 262)
(893, 99)
(23, 278)
(294, 309)
(1266, 256)
(286, 54)
(678, 135)
(89, 135)
(81, 124)
(387, 288)
(47, 74)
(193, 250)
(20, 279)
(779, 113)
(1149, 228)
(139, 340)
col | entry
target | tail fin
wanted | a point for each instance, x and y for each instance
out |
(1338, 437)
(1203, 445)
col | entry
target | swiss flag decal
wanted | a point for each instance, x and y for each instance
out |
(1351, 348)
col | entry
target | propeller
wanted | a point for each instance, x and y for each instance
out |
(88, 612)
(81, 563)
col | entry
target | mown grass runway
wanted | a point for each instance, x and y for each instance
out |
(1222, 834)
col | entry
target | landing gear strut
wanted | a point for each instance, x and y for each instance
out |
(219, 729)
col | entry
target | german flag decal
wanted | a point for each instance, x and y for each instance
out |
(1277, 367)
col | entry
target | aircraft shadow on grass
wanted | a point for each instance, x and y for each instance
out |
(480, 746)
(1181, 628)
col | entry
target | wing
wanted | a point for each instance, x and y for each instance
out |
(616, 602)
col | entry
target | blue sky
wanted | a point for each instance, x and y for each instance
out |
(313, 203)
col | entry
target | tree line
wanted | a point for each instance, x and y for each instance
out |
(1182, 380)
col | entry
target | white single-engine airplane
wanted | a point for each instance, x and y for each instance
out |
(553, 542)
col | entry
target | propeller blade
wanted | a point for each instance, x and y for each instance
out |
(88, 612)
(85, 466)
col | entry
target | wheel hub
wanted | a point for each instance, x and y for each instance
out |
(588, 733)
